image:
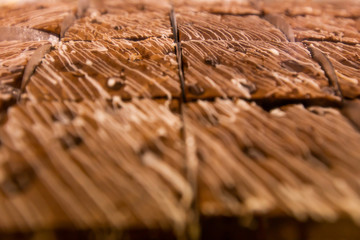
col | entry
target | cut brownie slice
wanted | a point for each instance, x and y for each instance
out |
(324, 28)
(133, 6)
(205, 26)
(39, 15)
(252, 70)
(336, 8)
(14, 56)
(346, 62)
(89, 165)
(135, 26)
(89, 70)
(231, 7)
(292, 161)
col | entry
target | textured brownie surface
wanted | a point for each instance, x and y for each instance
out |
(231, 7)
(344, 8)
(252, 161)
(89, 165)
(125, 25)
(122, 124)
(99, 70)
(41, 15)
(252, 70)
(132, 6)
(205, 26)
(325, 28)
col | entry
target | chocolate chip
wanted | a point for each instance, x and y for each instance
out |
(19, 177)
(254, 153)
(200, 156)
(211, 61)
(70, 140)
(66, 115)
(152, 147)
(116, 83)
(117, 28)
(195, 89)
(319, 159)
(95, 21)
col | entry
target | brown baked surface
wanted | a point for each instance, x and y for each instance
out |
(40, 15)
(252, 70)
(144, 119)
(79, 70)
(205, 26)
(121, 25)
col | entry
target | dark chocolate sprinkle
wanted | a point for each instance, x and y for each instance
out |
(19, 178)
(116, 83)
(64, 115)
(95, 21)
(211, 61)
(195, 89)
(70, 140)
(117, 27)
(254, 153)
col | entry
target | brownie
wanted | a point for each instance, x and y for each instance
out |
(135, 6)
(294, 161)
(344, 8)
(232, 7)
(78, 70)
(41, 15)
(127, 25)
(205, 26)
(324, 28)
(252, 70)
(89, 165)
